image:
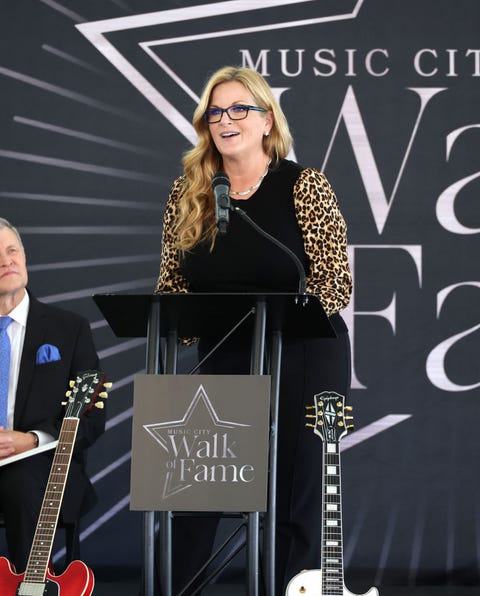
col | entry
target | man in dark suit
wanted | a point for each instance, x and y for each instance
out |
(48, 347)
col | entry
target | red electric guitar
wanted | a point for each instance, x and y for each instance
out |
(39, 579)
(330, 425)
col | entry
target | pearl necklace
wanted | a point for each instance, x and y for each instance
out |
(242, 193)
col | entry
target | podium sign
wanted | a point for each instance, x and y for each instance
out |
(200, 443)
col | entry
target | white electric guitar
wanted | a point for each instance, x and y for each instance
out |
(330, 425)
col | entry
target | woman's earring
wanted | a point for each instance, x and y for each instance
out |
(266, 133)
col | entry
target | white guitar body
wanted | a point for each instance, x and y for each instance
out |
(309, 583)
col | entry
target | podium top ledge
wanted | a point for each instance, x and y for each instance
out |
(213, 314)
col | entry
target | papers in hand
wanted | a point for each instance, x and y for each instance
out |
(30, 452)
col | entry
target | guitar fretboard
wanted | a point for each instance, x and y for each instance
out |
(40, 552)
(332, 549)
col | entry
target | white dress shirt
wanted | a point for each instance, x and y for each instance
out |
(16, 333)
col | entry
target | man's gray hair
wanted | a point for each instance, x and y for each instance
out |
(4, 223)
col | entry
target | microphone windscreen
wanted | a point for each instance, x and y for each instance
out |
(221, 179)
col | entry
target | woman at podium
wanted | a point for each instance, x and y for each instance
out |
(243, 133)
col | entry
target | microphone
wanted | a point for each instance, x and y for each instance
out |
(221, 190)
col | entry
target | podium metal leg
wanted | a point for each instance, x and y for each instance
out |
(253, 550)
(149, 553)
(258, 340)
(152, 367)
(270, 521)
(165, 544)
(257, 368)
(165, 534)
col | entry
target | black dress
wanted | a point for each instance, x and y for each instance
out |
(242, 260)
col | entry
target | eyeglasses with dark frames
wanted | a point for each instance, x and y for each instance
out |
(235, 112)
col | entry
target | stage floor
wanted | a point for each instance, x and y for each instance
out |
(127, 582)
(132, 588)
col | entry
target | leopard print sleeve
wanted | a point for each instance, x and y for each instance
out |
(170, 278)
(324, 233)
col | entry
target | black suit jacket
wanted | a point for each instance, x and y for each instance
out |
(41, 390)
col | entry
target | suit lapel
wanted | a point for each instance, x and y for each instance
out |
(34, 337)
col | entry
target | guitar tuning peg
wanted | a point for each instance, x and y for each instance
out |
(309, 407)
(349, 408)
(100, 405)
(308, 425)
(64, 403)
(103, 394)
(350, 426)
(348, 417)
(107, 385)
(71, 383)
(68, 394)
(310, 416)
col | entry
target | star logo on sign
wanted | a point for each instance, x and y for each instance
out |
(187, 436)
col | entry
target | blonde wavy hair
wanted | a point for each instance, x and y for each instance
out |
(196, 209)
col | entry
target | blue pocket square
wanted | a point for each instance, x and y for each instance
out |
(47, 353)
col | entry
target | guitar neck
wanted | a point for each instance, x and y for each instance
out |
(332, 545)
(42, 544)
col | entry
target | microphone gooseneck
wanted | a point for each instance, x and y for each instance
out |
(302, 281)
(221, 190)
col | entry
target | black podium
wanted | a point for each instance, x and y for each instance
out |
(267, 318)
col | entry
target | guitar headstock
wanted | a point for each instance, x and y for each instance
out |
(330, 419)
(84, 392)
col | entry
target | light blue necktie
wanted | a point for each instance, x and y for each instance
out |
(4, 368)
